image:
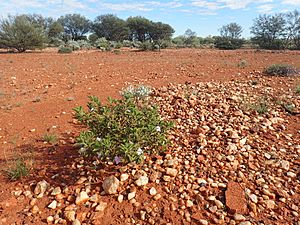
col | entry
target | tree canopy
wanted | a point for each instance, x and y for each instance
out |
(75, 25)
(111, 27)
(21, 33)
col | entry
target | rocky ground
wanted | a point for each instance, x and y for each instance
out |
(233, 159)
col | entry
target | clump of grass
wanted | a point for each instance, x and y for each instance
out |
(280, 70)
(242, 64)
(261, 106)
(18, 170)
(50, 138)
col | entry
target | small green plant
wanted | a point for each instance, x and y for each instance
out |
(280, 70)
(254, 82)
(18, 170)
(289, 107)
(123, 130)
(261, 106)
(50, 138)
(64, 50)
(242, 64)
(297, 89)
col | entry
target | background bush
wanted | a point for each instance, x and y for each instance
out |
(64, 49)
(280, 70)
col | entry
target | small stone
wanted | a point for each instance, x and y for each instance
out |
(171, 171)
(101, 207)
(120, 198)
(235, 198)
(81, 180)
(124, 177)
(285, 165)
(53, 205)
(94, 198)
(189, 203)
(131, 195)
(81, 198)
(50, 219)
(152, 191)
(56, 191)
(270, 204)
(203, 222)
(76, 222)
(157, 197)
(219, 204)
(239, 217)
(70, 215)
(213, 209)
(35, 209)
(111, 185)
(143, 215)
(142, 181)
(253, 198)
(291, 174)
(41, 188)
(245, 223)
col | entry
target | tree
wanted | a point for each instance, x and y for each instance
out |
(18, 32)
(140, 28)
(111, 27)
(161, 31)
(232, 30)
(230, 37)
(55, 30)
(190, 38)
(293, 29)
(75, 26)
(269, 31)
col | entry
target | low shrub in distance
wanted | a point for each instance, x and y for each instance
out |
(63, 49)
(280, 70)
(122, 130)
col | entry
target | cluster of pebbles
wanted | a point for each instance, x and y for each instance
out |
(226, 164)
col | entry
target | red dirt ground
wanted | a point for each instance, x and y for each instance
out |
(39, 90)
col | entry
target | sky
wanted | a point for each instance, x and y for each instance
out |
(205, 17)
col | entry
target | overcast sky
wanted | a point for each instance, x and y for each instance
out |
(203, 16)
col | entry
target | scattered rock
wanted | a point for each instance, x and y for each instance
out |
(81, 198)
(142, 181)
(235, 198)
(111, 185)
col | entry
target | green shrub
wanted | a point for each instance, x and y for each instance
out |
(226, 43)
(242, 64)
(74, 45)
(280, 70)
(84, 44)
(123, 130)
(147, 46)
(127, 43)
(63, 49)
(102, 43)
(261, 106)
(18, 170)
(297, 89)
